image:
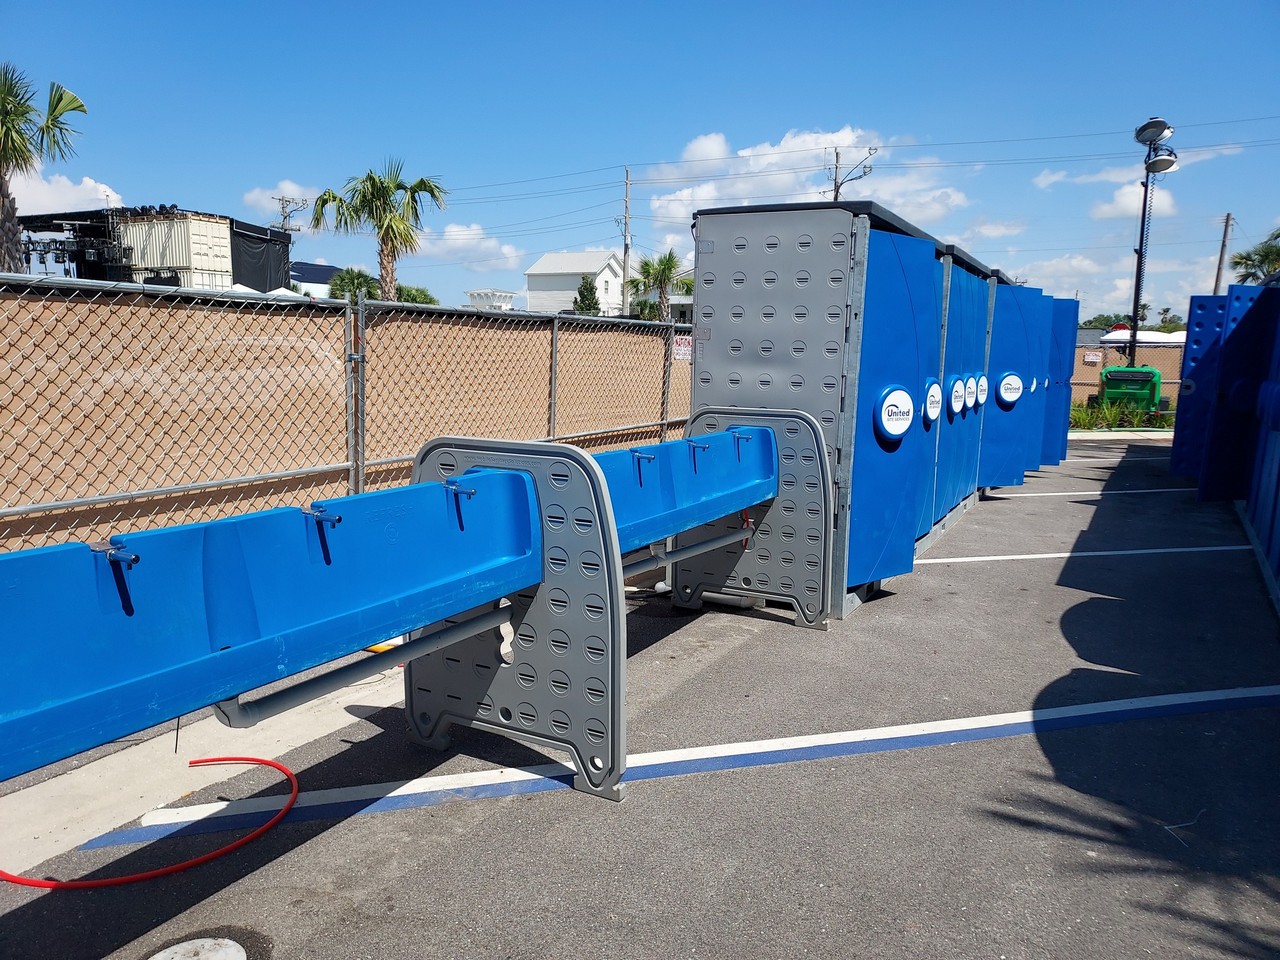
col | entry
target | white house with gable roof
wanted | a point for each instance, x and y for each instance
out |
(553, 281)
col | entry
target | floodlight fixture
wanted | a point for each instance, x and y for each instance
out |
(1163, 160)
(1155, 130)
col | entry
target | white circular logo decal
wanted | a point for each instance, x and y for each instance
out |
(933, 401)
(896, 413)
(1010, 388)
(970, 393)
(957, 396)
(983, 388)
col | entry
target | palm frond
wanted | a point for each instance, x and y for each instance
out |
(53, 136)
(18, 122)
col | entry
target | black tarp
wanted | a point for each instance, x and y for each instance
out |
(259, 256)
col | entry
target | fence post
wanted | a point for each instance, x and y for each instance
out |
(355, 394)
(668, 347)
(551, 386)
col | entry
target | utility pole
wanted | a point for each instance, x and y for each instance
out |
(860, 170)
(1222, 254)
(288, 207)
(626, 243)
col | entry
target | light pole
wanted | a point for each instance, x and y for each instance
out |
(1160, 159)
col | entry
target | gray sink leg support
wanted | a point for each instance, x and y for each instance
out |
(563, 683)
(789, 557)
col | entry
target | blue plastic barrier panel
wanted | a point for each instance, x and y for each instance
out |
(1248, 339)
(1206, 320)
(1007, 420)
(663, 489)
(176, 619)
(891, 452)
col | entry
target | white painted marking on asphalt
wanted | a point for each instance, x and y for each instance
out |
(425, 785)
(1084, 553)
(1098, 493)
(1111, 459)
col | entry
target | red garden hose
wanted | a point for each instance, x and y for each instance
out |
(186, 864)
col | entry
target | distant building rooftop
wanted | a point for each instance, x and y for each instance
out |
(311, 272)
(584, 261)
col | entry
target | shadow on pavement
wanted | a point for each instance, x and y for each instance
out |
(90, 924)
(1191, 797)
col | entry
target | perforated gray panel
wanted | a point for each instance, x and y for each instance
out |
(789, 557)
(565, 683)
(778, 301)
(771, 313)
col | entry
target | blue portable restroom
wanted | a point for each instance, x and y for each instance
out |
(1038, 311)
(832, 309)
(932, 419)
(967, 300)
(973, 284)
(1062, 359)
(892, 474)
(1009, 417)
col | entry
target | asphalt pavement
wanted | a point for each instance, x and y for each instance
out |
(1059, 737)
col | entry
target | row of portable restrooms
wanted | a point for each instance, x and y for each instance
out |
(931, 375)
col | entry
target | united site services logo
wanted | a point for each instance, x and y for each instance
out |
(1010, 388)
(933, 401)
(897, 410)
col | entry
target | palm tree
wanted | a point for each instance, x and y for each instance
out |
(347, 283)
(26, 141)
(660, 275)
(383, 201)
(1258, 262)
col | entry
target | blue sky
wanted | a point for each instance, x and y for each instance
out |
(1006, 127)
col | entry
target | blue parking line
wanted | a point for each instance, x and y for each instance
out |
(734, 757)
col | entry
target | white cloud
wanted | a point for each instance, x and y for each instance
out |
(57, 194)
(1047, 178)
(796, 169)
(1129, 174)
(708, 147)
(262, 198)
(1127, 202)
(471, 247)
(985, 230)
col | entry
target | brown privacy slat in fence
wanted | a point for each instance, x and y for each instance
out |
(430, 374)
(118, 389)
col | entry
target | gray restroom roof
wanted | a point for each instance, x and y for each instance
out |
(881, 219)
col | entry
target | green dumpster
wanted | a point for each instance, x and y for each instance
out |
(1134, 386)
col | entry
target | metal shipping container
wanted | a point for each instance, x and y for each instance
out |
(186, 241)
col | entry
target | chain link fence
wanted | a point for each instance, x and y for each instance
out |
(128, 407)
(1091, 360)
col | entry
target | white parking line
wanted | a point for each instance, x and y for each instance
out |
(1110, 459)
(1072, 554)
(1097, 493)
